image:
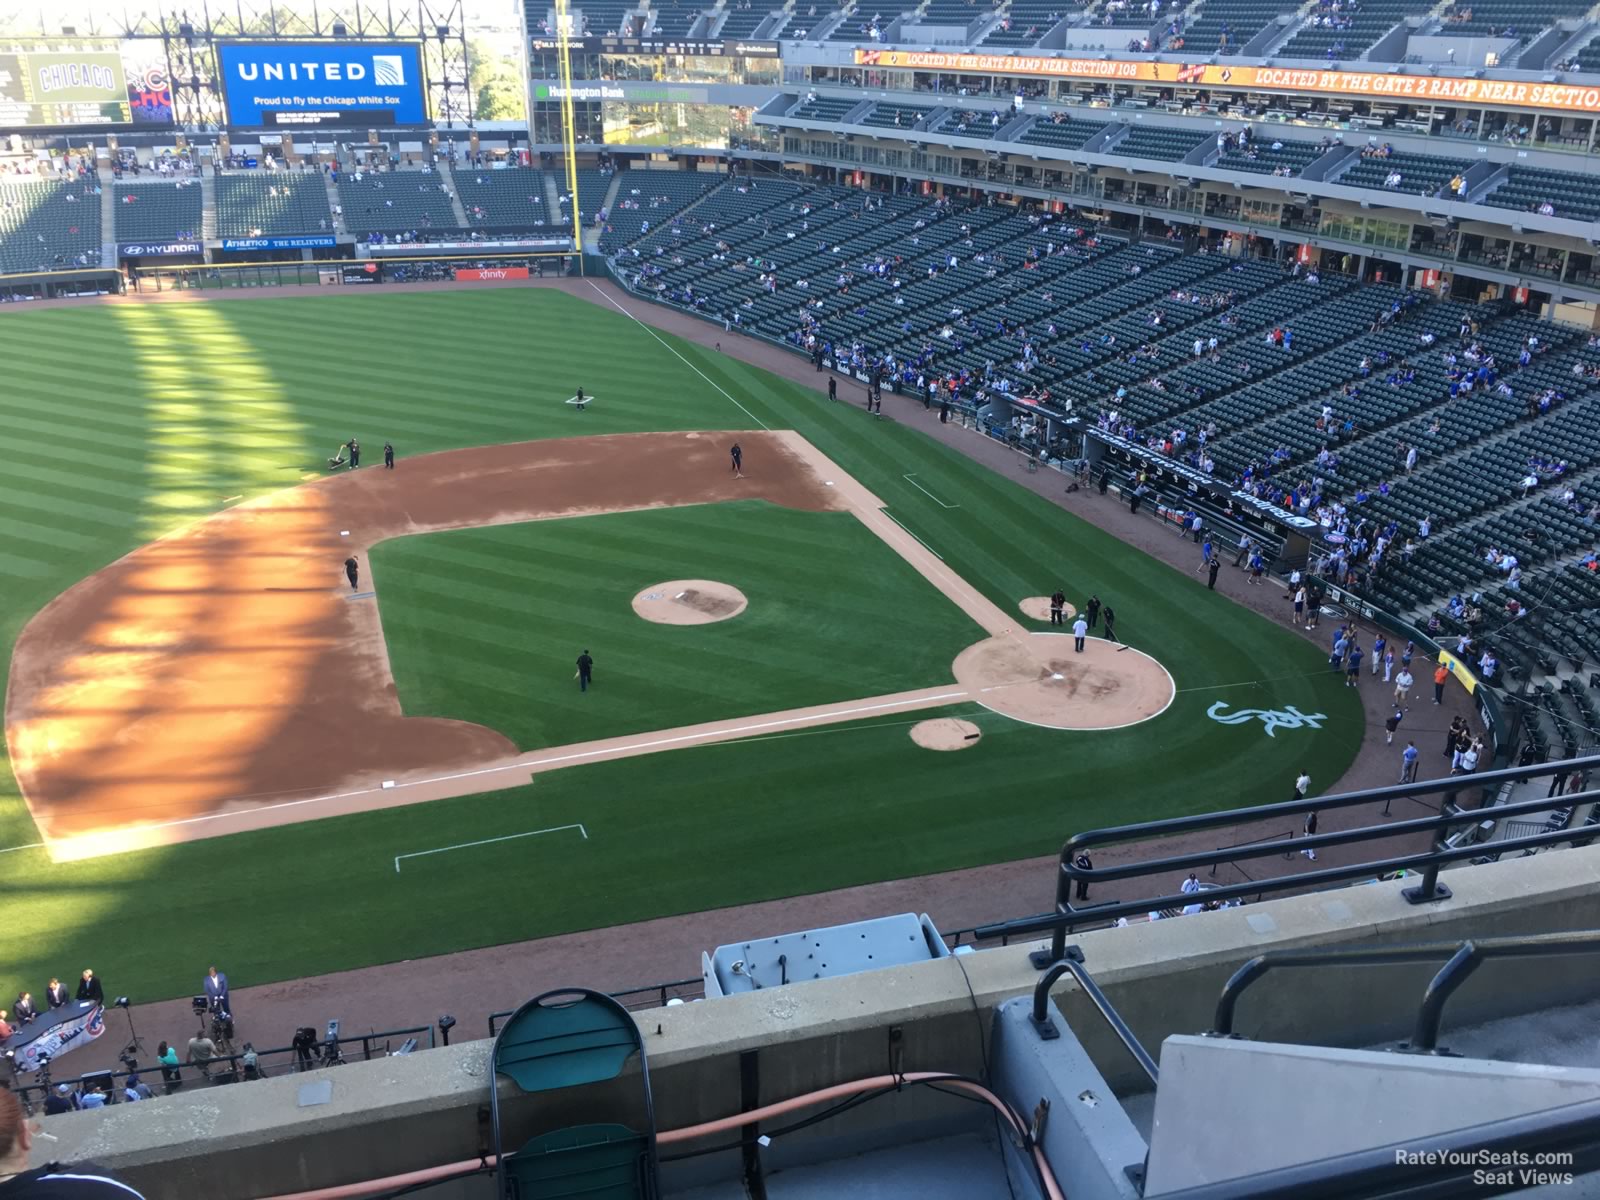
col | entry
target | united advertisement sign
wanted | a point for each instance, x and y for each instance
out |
(307, 85)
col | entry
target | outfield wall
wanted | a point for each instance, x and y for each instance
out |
(402, 1114)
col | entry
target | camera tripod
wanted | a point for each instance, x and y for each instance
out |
(220, 1030)
(135, 1044)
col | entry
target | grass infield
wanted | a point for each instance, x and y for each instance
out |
(183, 409)
(484, 625)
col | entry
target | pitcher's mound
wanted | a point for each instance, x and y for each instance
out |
(689, 602)
(1038, 607)
(1040, 679)
(945, 733)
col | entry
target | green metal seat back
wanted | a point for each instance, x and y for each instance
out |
(595, 1162)
(564, 1039)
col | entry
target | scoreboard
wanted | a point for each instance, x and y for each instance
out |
(59, 87)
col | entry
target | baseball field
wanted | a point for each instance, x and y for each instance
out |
(217, 746)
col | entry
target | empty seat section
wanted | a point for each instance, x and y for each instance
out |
(272, 205)
(158, 212)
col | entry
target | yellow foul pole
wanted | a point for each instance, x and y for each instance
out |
(569, 124)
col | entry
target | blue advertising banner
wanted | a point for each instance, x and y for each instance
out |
(306, 85)
(311, 241)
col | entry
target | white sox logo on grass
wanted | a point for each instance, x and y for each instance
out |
(1273, 718)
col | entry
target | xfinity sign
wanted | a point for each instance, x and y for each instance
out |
(322, 84)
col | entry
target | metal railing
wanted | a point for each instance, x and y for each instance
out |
(230, 1067)
(654, 995)
(1462, 959)
(1449, 818)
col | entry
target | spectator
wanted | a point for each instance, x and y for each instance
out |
(201, 1051)
(167, 1057)
(84, 1181)
(60, 1100)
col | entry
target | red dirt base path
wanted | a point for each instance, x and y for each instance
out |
(232, 667)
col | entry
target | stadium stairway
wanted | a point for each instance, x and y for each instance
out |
(592, 232)
(456, 210)
(108, 216)
(552, 194)
(334, 206)
(208, 208)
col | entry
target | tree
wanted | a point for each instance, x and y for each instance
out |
(498, 87)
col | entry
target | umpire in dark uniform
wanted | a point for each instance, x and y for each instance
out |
(585, 671)
(388, 456)
(355, 454)
(352, 571)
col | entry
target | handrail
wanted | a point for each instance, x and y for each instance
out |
(1462, 959)
(226, 1062)
(1046, 1028)
(1428, 862)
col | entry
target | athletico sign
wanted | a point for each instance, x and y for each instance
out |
(482, 274)
(315, 241)
(158, 249)
(307, 84)
(1549, 97)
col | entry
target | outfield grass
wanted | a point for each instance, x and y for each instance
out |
(123, 423)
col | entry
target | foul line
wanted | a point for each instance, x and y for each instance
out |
(29, 846)
(918, 540)
(608, 299)
(510, 837)
(912, 480)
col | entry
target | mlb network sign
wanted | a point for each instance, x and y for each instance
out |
(311, 84)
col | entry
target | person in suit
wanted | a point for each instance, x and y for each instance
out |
(216, 986)
(56, 994)
(89, 988)
(24, 1008)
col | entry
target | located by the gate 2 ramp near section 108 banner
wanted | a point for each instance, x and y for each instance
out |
(320, 84)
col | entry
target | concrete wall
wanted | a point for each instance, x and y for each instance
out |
(401, 1114)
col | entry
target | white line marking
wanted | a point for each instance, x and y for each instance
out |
(525, 767)
(29, 846)
(584, 403)
(723, 735)
(510, 837)
(919, 541)
(912, 480)
(676, 355)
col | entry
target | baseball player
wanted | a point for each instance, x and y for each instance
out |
(738, 459)
(585, 671)
(352, 571)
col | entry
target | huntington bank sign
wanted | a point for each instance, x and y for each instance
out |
(311, 84)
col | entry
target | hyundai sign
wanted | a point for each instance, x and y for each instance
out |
(309, 85)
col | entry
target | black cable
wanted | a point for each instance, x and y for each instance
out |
(983, 1053)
